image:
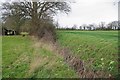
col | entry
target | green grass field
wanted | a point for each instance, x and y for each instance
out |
(23, 57)
(98, 49)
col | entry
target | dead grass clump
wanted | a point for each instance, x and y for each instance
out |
(36, 62)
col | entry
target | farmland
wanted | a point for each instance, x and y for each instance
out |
(26, 57)
(98, 49)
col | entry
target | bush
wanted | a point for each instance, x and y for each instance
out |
(45, 31)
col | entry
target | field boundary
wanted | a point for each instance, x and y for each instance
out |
(78, 65)
(74, 62)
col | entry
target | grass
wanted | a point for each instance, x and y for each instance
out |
(23, 57)
(98, 49)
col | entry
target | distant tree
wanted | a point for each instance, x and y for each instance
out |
(74, 27)
(13, 22)
(109, 26)
(92, 26)
(84, 26)
(113, 25)
(0, 28)
(119, 24)
(80, 27)
(57, 25)
(102, 25)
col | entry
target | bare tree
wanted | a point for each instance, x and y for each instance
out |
(84, 26)
(113, 25)
(102, 25)
(92, 26)
(37, 12)
(74, 27)
(80, 27)
(109, 26)
(56, 24)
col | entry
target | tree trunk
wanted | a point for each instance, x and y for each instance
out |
(35, 20)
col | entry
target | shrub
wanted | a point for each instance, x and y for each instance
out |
(46, 30)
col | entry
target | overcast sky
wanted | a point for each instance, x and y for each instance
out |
(88, 12)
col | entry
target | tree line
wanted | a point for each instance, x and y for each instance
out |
(33, 17)
(114, 25)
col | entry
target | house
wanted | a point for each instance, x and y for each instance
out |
(8, 31)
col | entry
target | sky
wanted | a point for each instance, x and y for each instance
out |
(88, 12)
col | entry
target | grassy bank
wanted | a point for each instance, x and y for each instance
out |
(23, 57)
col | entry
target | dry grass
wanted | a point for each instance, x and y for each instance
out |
(36, 63)
(54, 48)
(39, 60)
